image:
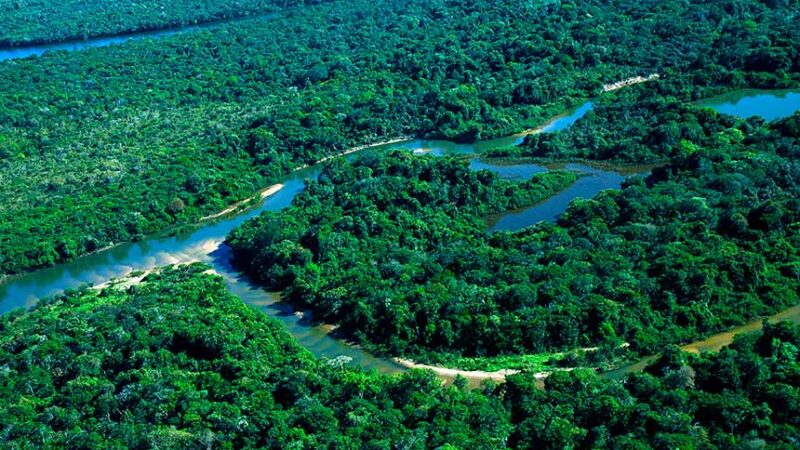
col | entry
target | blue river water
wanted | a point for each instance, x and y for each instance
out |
(770, 105)
(206, 244)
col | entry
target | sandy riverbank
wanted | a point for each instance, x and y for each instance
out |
(129, 280)
(397, 140)
(471, 375)
(260, 196)
(359, 148)
(266, 192)
(125, 281)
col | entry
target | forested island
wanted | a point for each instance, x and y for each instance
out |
(109, 145)
(177, 362)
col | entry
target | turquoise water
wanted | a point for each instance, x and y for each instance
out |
(564, 122)
(769, 104)
(206, 242)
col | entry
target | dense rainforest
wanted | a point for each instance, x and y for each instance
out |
(708, 241)
(108, 145)
(177, 362)
(26, 22)
(632, 125)
(111, 144)
(745, 397)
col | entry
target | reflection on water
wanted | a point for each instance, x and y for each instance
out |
(769, 104)
(205, 244)
(565, 121)
(119, 261)
(314, 338)
(591, 183)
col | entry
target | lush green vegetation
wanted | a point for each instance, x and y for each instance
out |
(744, 397)
(633, 125)
(710, 240)
(25, 22)
(537, 362)
(107, 145)
(385, 246)
(111, 144)
(177, 362)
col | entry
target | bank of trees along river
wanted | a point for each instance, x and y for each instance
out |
(177, 362)
(108, 145)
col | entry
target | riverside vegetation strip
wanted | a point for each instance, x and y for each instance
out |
(108, 145)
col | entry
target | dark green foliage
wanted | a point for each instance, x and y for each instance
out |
(110, 144)
(388, 247)
(634, 125)
(709, 241)
(94, 145)
(177, 362)
(744, 397)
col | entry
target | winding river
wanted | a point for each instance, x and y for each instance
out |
(769, 105)
(205, 244)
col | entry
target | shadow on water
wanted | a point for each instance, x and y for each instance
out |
(313, 337)
(121, 260)
(205, 244)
